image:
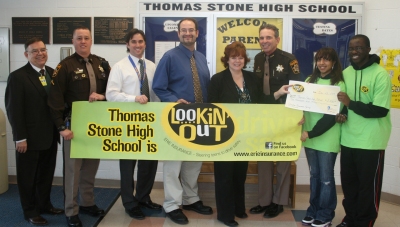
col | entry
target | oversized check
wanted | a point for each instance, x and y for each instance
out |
(313, 97)
(187, 132)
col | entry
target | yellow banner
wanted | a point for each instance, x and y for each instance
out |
(187, 132)
(390, 60)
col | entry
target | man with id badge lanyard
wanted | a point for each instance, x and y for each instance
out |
(130, 81)
(34, 133)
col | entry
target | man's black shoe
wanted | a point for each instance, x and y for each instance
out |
(273, 210)
(135, 213)
(258, 209)
(242, 215)
(178, 217)
(92, 210)
(230, 223)
(74, 221)
(198, 207)
(38, 220)
(149, 204)
(53, 211)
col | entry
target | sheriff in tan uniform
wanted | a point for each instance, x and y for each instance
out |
(282, 67)
(80, 77)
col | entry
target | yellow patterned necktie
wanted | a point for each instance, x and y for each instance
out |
(198, 94)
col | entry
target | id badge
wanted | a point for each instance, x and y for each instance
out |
(43, 80)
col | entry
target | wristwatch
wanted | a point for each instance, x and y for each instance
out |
(61, 128)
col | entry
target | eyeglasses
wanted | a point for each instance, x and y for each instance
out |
(358, 49)
(191, 30)
(37, 51)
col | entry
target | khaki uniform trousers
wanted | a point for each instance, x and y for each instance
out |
(266, 191)
(79, 176)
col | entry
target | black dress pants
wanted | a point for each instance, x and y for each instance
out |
(230, 178)
(146, 174)
(35, 171)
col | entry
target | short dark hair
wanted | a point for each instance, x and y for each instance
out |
(196, 25)
(364, 37)
(329, 54)
(130, 35)
(83, 28)
(233, 50)
(32, 40)
(271, 27)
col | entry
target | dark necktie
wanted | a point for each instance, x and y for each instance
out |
(145, 82)
(266, 88)
(198, 94)
(92, 77)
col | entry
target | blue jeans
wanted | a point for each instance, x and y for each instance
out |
(323, 197)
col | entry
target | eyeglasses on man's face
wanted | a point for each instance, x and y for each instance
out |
(37, 51)
(184, 30)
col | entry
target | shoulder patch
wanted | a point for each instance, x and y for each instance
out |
(56, 70)
(295, 66)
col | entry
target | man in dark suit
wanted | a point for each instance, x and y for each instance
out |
(34, 132)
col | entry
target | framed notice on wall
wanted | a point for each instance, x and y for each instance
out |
(111, 30)
(64, 26)
(25, 28)
(4, 53)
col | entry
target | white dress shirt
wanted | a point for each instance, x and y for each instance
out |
(124, 84)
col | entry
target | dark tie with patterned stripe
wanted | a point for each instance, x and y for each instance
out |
(145, 90)
(266, 88)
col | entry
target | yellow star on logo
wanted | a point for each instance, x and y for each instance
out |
(279, 68)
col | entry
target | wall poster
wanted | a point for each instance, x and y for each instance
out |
(310, 35)
(244, 30)
(390, 60)
(161, 36)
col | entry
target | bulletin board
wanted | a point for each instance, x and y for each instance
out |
(4, 53)
(239, 21)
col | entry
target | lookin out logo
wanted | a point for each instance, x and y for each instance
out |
(200, 124)
(298, 88)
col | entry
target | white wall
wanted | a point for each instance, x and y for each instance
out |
(380, 23)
